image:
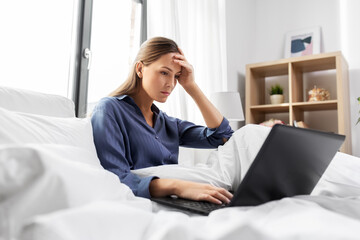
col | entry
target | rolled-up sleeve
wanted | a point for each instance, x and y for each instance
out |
(110, 146)
(196, 136)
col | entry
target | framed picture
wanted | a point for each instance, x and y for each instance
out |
(302, 42)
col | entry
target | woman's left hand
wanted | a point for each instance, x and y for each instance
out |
(186, 78)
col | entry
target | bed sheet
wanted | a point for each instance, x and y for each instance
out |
(305, 217)
(332, 211)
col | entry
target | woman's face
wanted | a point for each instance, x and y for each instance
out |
(160, 77)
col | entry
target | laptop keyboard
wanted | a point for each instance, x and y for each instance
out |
(206, 206)
(196, 206)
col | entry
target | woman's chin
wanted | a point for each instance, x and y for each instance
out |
(161, 100)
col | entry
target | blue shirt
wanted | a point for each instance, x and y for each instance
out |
(124, 141)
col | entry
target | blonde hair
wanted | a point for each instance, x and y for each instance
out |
(150, 51)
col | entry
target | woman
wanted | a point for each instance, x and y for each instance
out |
(130, 132)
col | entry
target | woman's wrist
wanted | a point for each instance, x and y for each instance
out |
(162, 187)
(191, 88)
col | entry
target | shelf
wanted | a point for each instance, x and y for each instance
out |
(271, 108)
(304, 106)
(316, 106)
(296, 75)
(318, 62)
(268, 70)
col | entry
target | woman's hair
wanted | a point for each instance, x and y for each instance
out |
(150, 51)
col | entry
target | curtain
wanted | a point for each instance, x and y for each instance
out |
(115, 40)
(198, 26)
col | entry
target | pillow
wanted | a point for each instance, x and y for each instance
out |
(37, 103)
(22, 128)
(37, 180)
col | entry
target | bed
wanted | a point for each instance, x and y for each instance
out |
(52, 186)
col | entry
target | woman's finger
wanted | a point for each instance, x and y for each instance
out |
(179, 56)
(209, 198)
(226, 193)
(184, 64)
(218, 195)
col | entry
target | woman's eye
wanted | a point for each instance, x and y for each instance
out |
(164, 73)
(177, 76)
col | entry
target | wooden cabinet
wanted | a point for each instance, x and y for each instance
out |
(295, 75)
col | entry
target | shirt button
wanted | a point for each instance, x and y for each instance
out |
(157, 137)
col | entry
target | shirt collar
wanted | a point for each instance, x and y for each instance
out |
(130, 100)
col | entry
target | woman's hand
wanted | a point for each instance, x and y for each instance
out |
(202, 192)
(189, 190)
(212, 116)
(186, 78)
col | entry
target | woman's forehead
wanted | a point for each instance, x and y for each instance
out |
(167, 60)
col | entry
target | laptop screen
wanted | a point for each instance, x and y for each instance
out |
(290, 162)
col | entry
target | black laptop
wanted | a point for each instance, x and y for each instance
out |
(290, 162)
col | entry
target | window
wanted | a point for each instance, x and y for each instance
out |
(35, 44)
(115, 39)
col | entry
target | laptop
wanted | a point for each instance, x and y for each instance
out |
(290, 162)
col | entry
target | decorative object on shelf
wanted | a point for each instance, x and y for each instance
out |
(229, 105)
(359, 111)
(302, 42)
(271, 122)
(276, 94)
(300, 124)
(318, 94)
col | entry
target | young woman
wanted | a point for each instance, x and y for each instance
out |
(130, 132)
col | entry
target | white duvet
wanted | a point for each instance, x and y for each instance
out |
(55, 192)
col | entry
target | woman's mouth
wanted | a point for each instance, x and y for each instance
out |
(165, 93)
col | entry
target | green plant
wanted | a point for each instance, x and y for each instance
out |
(359, 111)
(276, 89)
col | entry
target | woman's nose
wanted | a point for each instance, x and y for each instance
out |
(172, 82)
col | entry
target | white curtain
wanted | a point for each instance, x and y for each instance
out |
(198, 26)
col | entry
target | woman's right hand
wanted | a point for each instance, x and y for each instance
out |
(189, 190)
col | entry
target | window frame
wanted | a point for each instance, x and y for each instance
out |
(78, 79)
(79, 75)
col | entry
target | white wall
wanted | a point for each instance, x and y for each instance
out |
(256, 32)
(350, 32)
(240, 34)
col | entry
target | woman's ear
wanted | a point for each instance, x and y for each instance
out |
(139, 68)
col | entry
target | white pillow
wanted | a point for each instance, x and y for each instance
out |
(21, 100)
(22, 128)
(37, 180)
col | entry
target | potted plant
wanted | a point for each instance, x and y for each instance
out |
(276, 94)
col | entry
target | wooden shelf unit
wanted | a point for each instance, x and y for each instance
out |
(296, 106)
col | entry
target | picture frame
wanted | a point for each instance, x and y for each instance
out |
(302, 42)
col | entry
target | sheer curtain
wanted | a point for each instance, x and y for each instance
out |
(198, 26)
(115, 40)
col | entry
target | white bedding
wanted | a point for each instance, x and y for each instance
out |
(55, 188)
(296, 218)
(67, 199)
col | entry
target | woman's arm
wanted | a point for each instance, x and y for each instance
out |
(189, 190)
(211, 115)
(110, 147)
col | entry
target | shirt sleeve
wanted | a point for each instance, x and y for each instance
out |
(110, 146)
(196, 136)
